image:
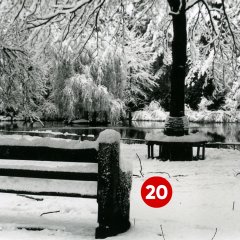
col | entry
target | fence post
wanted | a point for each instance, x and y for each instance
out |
(114, 185)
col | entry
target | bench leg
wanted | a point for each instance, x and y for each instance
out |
(203, 152)
(198, 152)
(149, 153)
(160, 151)
(152, 151)
(191, 152)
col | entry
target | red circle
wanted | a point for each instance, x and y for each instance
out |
(156, 192)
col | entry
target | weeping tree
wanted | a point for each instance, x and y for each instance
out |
(140, 73)
(92, 85)
(71, 25)
(75, 27)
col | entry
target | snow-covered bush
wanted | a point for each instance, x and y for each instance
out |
(153, 112)
(154, 105)
(206, 116)
(141, 116)
(203, 115)
(49, 111)
(202, 106)
(82, 93)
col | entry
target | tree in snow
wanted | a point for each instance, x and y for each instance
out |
(214, 47)
(22, 80)
(93, 85)
(211, 47)
(74, 25)
(211, 58)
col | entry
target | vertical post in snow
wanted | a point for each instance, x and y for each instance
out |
(114, 185)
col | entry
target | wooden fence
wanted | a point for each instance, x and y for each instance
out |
(113, 185)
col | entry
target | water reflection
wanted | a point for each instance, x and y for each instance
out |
(225, 132)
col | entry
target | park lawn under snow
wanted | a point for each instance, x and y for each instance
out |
(206, 201)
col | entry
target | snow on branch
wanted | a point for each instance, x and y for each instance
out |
(209, 10)
(190, 4)
(64, 10)
(54, 21)
(210, 15)
(213, 57)
(229, 25)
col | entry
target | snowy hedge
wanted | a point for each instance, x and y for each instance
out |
(156, 113)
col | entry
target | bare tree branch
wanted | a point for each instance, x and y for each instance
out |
(192, 4)
(229, 25)
(210, 15)
(21, 8)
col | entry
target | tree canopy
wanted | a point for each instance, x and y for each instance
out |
(65, 57)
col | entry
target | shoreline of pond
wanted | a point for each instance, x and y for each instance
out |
(221, 132)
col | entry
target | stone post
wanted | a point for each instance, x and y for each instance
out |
(114, 185)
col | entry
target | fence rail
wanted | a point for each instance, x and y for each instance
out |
(113, 185)
(42, 153)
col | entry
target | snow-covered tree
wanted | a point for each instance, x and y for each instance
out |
(207, 32)
(214, 43)
(95, 85)
(74, 26)
(21, 78)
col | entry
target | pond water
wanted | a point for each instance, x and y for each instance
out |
(221, 132)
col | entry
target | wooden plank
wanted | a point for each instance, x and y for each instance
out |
(41, 153)
(203, 152)
(198, 152)
(26, 173)
(152, 151)
(60, 194)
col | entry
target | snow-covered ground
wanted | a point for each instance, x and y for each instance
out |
(205, 202)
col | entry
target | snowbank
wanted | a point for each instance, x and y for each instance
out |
(107, 136)
(205, 116)
(24, 140)
(54, 133)
(154, 112)
(158, 135)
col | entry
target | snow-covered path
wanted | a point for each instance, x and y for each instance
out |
(206, 199)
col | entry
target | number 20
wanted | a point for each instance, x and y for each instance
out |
(152, 191)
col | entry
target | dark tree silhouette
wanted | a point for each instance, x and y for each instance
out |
(177, 124)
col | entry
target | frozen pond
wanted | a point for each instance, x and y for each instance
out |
(221, 132)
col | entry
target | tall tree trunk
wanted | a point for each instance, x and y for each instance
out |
(177, 124)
